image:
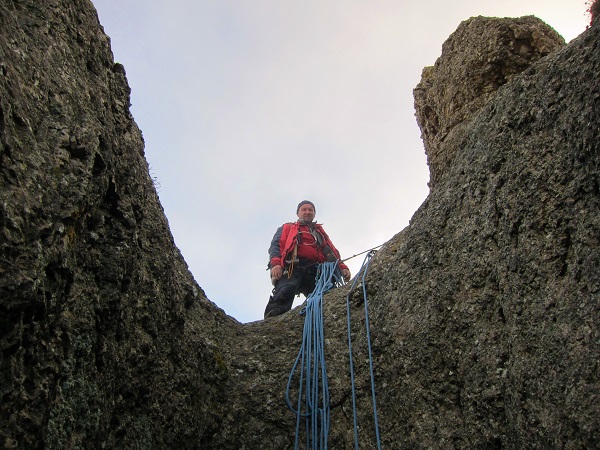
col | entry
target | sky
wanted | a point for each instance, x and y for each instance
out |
(248, 107)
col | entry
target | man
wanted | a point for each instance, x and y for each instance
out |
(295, 252)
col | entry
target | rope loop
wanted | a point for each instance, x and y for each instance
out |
(313, 402)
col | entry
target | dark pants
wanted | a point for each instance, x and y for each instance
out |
(302, 281)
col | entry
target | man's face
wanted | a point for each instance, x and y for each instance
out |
(306, 213)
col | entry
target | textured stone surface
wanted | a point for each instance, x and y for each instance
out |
(484, 310)
(468, 74)
(95, 296)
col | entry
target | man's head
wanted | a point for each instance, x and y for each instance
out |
(306, 211)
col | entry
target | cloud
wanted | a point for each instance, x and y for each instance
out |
(248, 107)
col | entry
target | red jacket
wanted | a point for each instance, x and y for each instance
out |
(313, 244)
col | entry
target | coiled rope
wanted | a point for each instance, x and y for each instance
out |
(313, 388)
(364, 269)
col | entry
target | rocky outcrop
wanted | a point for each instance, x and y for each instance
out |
(468, 74)
(99, 345)
(594, 11)
(504, 255)
(484, 310)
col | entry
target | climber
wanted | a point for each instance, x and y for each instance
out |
(295, 252)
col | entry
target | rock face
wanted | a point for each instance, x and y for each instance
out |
(484, 310)
(96, 300)
(468, 74)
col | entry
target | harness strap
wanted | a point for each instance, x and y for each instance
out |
(294, 259)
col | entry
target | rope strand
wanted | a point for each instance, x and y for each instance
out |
(369, 250)
(313, 388)
(364, 269)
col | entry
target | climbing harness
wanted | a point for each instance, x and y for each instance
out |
(293, 260)
(313, 404)
(364, 269)
(313, 388)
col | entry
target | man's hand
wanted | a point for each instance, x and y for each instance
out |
(345, 274)
(276, 272)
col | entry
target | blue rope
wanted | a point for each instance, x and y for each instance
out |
(364, 266)
(313, 389)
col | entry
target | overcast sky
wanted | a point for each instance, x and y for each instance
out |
(248, 107)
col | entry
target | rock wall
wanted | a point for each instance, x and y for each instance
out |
(95, 305)
(484, 310)
(496, 276)
(468, 74)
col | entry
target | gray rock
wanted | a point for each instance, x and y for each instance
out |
(484, 310)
